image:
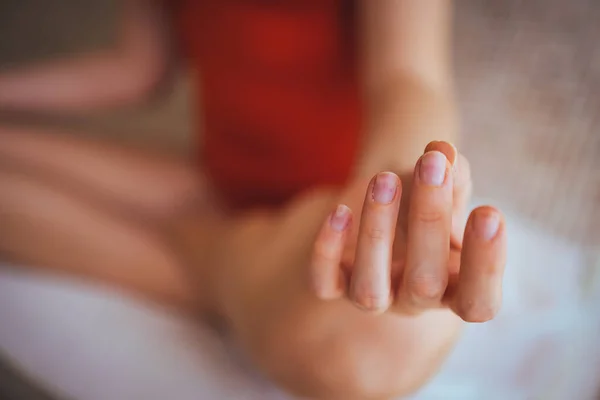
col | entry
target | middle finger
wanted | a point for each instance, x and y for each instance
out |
(425, 276)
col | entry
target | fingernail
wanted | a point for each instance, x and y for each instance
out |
(385, 187)
(432, 168)
(486, 225)
(340, 218)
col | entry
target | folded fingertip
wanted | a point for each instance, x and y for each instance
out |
(447, 148)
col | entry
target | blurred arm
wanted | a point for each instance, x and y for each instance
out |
(105, 78)
(407, 77)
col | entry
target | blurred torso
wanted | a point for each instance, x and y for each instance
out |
(280, 103)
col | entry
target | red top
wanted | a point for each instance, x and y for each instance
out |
(280, 103)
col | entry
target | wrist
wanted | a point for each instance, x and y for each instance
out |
(401, 121)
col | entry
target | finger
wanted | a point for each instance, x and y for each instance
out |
(461, 190)
(478, 295)
(462, 183)
(446, 148)
(326, 276)
(370, 282)
(428, 243)
(453, 272)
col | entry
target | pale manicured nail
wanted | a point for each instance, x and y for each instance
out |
(432, 168)
(385, 187)
(340, 218)
(486, 224)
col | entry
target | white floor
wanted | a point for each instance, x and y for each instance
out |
(93, 344)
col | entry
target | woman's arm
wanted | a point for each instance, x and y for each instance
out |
(407, 81)
(104, 78)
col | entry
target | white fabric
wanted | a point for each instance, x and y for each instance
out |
(92, 344)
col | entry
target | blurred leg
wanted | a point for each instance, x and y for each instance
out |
(94, 210)
(123, 178)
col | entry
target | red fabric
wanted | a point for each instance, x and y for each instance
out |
(278, 92)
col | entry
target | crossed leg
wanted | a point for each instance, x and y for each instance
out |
(96, 210)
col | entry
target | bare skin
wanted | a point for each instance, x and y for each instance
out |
(281, 279)
(373, 335)
(298, 342)
(93, 210)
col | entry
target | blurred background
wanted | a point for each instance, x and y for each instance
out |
(528, 75)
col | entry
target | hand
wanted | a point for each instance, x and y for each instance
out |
(317, 349)
(414, 257)
(324, 349)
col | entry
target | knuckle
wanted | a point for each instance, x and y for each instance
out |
(371, 302)
(375, 235)
(369, 298)
(477, 311)
(426, 286)
(430, 217)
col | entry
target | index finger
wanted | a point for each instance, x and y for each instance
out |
(428, 246)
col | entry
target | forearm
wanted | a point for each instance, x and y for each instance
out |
(407, 81)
